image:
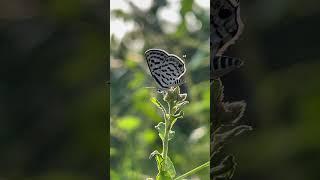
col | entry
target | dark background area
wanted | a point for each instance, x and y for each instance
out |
(53, 98)
(280, 83)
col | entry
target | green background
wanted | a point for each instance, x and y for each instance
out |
(133, 116)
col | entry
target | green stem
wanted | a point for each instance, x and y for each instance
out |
(193, 171)
(165, 142)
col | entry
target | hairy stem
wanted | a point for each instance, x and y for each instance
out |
(165, 142)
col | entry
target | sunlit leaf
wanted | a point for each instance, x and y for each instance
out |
(163, 175)
(156, 102)
(169, 167)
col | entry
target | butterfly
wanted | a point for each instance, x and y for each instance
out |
(222, 65)
(226, 27)
(166, 69)
(225, 24)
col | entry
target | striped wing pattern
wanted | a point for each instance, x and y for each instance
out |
(221, 65)
(166, 69)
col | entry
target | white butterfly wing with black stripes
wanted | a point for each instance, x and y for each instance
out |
(166, 69)
(222, 65)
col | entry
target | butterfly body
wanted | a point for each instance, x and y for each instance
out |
(226, 27)
(166, 69)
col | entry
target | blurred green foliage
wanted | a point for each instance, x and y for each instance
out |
(52, 90)
(133, 117)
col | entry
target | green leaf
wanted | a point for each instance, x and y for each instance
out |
(156, 102)
(161, 129)
(171, 134)
(180, 114)
(166, 170)
(169, 167)
(182, 97)
(158, 158)
(154, 153)
(179, 105)
(163, 175)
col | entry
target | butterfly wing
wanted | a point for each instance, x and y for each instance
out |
(166, 69)
(226, 25)
(222, 65)
(155, 59)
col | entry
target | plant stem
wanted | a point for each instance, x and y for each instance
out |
(165, 144)
(193, 171)
(166, 140)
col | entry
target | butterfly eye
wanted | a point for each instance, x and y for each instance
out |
(224, 13)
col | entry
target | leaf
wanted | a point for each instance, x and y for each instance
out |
(154, 153)
(225, 133)
(182, 97)
(226, 113)
(163, 175)
(180, 114)
(169, 167)
(179, 105)
(225, 169)
(158, 104)
(166, 170)
(217, 88)
(161, 129)
(171, 134)
(236, 110)
(158, 158)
